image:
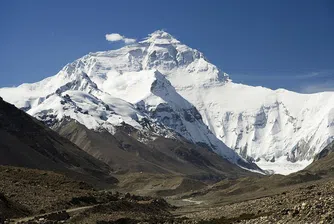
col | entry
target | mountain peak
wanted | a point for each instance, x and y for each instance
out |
(160, 37)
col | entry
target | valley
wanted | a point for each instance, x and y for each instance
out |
(297, 198)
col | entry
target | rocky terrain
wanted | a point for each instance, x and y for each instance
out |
(36, 194)
(40, 196)
(312, 203)
(303, 197)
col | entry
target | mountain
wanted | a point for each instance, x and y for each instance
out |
(163, 85)
(146, 101)
(280, 129)
(324, 161)
(26, 142)
(125, 154)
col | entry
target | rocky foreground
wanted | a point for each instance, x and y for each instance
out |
(313, 203)
(34, 196)
(31, 196)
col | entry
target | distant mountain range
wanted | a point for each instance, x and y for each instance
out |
(142, 102)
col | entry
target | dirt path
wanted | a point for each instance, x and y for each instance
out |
(68, 211)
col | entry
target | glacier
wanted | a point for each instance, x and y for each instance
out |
(179, 92)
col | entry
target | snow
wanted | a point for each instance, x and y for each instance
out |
(151, 91)
(160, 37)
(265, 123)
(161, 73)
(130, 86)
(282, 166)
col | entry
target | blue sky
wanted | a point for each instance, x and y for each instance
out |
(277, 44)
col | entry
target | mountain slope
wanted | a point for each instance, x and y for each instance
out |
(26, 142)
(124, 154)
(324, 161)
(275, 128)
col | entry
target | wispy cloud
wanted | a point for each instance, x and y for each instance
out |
(319, 74)
(318, 82)
(113, 37)
(311, 82)
(318, 87)
(285, 75)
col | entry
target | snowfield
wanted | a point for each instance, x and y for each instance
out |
(180, 93)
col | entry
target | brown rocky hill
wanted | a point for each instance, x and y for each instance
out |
(125, 154)
(25, 142)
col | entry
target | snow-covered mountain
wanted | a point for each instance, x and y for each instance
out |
(165, 85)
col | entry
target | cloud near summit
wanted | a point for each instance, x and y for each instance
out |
(113, 37)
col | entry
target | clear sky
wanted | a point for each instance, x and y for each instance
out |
(277, 43)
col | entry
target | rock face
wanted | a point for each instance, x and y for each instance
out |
(162, 83)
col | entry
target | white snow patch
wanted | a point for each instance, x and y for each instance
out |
(282, 166)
